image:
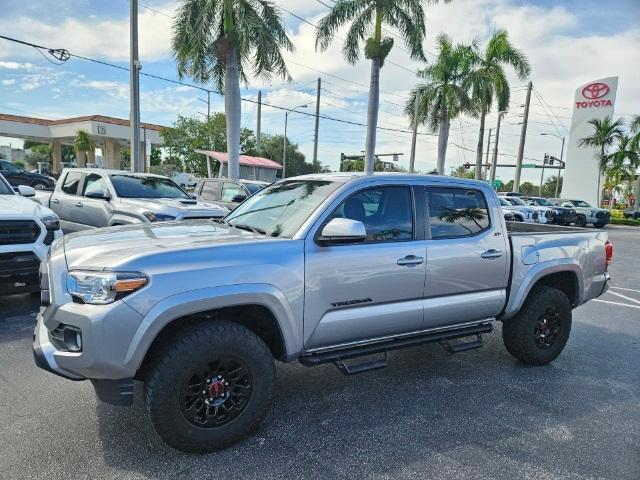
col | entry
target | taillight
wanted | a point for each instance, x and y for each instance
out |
(608, 251)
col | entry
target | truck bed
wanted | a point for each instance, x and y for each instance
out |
(521, 228)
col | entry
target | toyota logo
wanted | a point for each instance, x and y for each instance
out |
(595, 90)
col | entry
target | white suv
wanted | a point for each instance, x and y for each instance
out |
(27, 229)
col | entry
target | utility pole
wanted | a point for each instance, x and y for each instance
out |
(414, 135)
(484, 175)
(208, 106)
(546, 156)
(259, 120)
(523, 136)
(134, 118)
(317, 126)
(284, 145)
(495, 148)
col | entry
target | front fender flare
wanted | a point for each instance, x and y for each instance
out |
(200, 300)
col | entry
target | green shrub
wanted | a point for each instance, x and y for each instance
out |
(625, 221)
(617, 213)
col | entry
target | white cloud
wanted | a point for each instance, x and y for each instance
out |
(16, 66)
(9, 81)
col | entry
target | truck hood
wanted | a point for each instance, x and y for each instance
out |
(107, 248)
(15, 206)
(176, 206)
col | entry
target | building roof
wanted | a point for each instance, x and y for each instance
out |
(244, 159)
(86, 118)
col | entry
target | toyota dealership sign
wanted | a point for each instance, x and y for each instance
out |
(593, 100)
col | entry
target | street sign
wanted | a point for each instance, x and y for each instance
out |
(497, 184)
(529, 165)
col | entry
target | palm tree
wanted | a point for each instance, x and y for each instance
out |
(621, 163)
(83, 145)
(634, 125)
(443, 96)
(487, 81)
(605, 133)
(364, 15)
(216, 40)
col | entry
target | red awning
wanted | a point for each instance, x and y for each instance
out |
(244, 159)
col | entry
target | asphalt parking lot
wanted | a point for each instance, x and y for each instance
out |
(476, 415)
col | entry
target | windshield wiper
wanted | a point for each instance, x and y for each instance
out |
(221, 221)
(249, 228)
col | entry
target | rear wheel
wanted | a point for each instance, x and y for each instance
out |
(539, 332)
(599, 225)
(210, 387)
(581, 221)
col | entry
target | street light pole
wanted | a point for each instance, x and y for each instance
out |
(134, 120)
(284, 140)
(495, 148)
(561, 157)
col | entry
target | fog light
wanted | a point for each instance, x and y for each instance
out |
(72, 339)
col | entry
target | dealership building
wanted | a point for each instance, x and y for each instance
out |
(109, 134)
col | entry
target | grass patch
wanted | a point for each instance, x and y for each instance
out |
(625, 221)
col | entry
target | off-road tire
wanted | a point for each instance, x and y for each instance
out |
(518, 333)
(197, 346)
(581, 221)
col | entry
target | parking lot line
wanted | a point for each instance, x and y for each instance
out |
(625, 297)
(627, 289)
(615, 303)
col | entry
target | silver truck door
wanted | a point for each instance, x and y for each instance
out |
(369, 289)
(64, 199)
(467, 257)
(90, 210)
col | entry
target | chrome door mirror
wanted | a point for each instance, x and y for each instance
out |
(343, 230)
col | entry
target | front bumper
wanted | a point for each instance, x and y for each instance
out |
(565, 218)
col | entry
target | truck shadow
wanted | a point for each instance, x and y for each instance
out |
(427, 412)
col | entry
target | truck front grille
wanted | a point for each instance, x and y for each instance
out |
(601, 215)
(18, 232)
(13, 262)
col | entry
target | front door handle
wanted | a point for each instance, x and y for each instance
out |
(493, 253)
(55, 200)
(410, 260)
(78, 204)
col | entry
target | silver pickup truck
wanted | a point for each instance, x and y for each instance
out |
(319, 268)
(88, 198)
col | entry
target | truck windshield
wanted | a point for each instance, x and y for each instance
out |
(543, 202)
(580, 203)
(280, 209)
(134, 186)
(515, 201)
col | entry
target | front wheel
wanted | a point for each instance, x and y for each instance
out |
(210, 387)
(539, 332)
(599, 225)
(581, 221)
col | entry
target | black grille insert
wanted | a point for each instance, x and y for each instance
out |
(18, 232)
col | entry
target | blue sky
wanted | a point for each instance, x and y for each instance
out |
(569, 43)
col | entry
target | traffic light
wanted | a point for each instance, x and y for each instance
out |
(466, 166)
(546, 159)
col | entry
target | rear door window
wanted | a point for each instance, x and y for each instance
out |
(456, 212)
(71, 182)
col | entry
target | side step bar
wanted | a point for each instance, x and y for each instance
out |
(338, 357)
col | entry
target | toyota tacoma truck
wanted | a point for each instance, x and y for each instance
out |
(317, 269)
(26, 232)
(89, 198)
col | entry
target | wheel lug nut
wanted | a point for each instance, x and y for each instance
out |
(204, 391)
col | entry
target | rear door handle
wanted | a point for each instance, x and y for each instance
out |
(410, 260)
(78, 204)
(493, 253)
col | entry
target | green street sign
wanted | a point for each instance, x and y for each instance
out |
(528, 165)
(497, 184)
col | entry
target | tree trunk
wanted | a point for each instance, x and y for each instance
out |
(81, 161)
(372, 117)
(232, 110)
(480, 147)
(443, 139)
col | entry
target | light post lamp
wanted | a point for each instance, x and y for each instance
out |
(284, 141)
(561, 153)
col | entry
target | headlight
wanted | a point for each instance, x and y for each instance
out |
(51, 222)
(158, 217)
(101, 288)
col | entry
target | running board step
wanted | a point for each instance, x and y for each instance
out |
(342, 354)
(456, 347)
(347, 369)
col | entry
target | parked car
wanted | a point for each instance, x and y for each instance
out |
(87, 198)
(18, 176)
(538, 214)
(26, 232)
(227, 193)
(320, 269)
(528, 214)
(585, 213)
(631, 213)
(185, 180)
(561, 215)
(518, 213)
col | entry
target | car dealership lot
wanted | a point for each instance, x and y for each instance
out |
(477, 414)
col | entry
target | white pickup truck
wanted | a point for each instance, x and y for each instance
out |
(26, 232)
(318, 268)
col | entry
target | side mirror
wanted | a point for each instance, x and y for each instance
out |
(239, 198)
(26, 191)
(343, 230)
(98, 195)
